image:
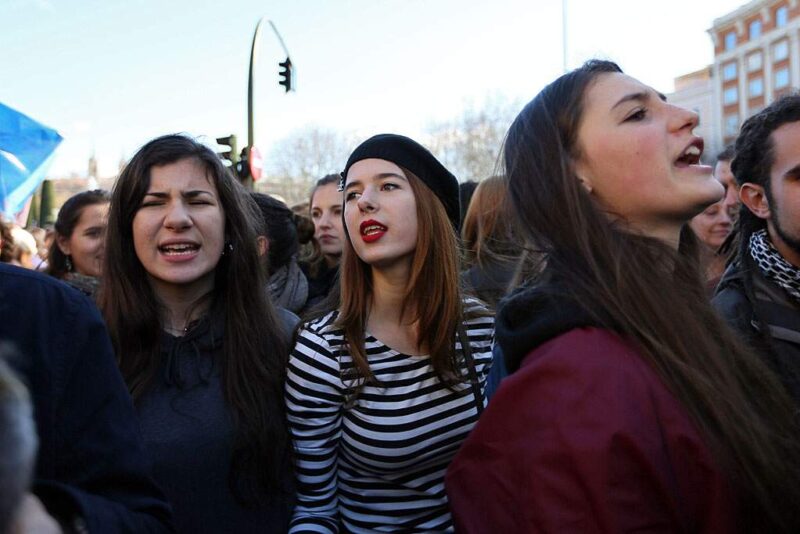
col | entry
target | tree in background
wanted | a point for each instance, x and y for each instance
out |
(469, 144)
(309, 153)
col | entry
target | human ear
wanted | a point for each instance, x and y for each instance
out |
(63, 244)
(755, 198)
(263, 245)
(583, 175)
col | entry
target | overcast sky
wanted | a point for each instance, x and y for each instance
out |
(110, 75)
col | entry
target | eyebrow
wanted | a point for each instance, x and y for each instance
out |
(186, 194)
(380, 176)
(793, 172)
(641, 96)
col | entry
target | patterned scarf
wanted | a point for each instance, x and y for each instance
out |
(772, 264)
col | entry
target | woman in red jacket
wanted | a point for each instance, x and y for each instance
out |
(629, 407)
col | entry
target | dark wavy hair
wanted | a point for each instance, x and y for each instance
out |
(254, 361)
(279, 229)
(68, 217)
(619, 278)
(754, 157)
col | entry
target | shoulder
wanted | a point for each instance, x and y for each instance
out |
(585, 347)
(29, 285)
(477, 313)
(319, 339)
(588, 359)
(288, 320)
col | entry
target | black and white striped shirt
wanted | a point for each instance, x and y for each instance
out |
(379, 464)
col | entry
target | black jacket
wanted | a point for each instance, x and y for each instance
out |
(768, 320)
(90, 463)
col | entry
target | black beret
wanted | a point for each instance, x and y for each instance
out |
(409, 154)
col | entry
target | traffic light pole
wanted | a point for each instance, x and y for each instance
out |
(248, 182)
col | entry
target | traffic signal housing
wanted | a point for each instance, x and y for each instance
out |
(287, 74)
(229, 153)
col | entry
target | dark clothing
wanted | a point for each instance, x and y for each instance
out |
(90, 461)
(490, 282)
(189, 431)
(320, 285)
(769, 323)
(583, 436)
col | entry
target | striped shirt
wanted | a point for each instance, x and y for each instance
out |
(378, 464)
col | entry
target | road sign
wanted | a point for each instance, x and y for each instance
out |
(256, 163)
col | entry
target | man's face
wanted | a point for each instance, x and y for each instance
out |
(784, 198)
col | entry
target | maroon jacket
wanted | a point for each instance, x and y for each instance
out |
(585, 437)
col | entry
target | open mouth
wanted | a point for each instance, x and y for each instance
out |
(372, 231)
(691, 154)
(179, 249)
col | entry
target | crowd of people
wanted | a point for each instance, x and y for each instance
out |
(604, 338)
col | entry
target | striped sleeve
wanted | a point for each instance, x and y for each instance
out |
(314, 398)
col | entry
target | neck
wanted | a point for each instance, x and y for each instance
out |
(182, 304)
(786, 250)
(331, 260)
(388, 293)
(713, 264)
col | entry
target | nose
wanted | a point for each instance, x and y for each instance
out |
(325, 220)
(367, 201)
(682, 118)
(177, 217)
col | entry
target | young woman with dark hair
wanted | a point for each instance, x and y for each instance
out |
(489, 242)
(77, 251)
(278, 245)
(630, 406)
(201, 349)
(382, 391)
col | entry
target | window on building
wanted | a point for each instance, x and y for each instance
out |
(730, 95)
(731, 125)
(754, 61)
(729, 71)
(781, 16)
(781, 78)
(730, 40)
(756, 87)
(780, 50)
(755, 29)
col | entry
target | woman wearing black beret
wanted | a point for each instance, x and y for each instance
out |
(382, 391)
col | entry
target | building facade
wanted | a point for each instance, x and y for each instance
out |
(756, 60)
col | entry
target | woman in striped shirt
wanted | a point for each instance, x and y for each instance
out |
(381, 392)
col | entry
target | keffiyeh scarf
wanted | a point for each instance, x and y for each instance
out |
(773, 266)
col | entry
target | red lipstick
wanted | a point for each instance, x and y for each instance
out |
(372, 230)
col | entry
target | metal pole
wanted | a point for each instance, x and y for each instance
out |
(253, 50)
(564, 34)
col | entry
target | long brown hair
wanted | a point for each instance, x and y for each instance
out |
(254, 357)
(648, 293)
(487, 232)
(432, 294)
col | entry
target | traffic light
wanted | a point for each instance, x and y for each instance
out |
(243, 166)
(229, 153)
(287, 74)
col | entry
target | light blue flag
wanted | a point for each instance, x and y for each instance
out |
(26, 152)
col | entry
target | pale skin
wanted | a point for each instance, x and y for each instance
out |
(631, 149)
(181, 207)
(378, 190)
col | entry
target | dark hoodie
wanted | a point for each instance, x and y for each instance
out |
(188, 431)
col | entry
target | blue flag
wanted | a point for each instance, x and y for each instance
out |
(26, 152)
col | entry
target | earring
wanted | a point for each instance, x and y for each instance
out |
(69, 263)
(228, 247)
